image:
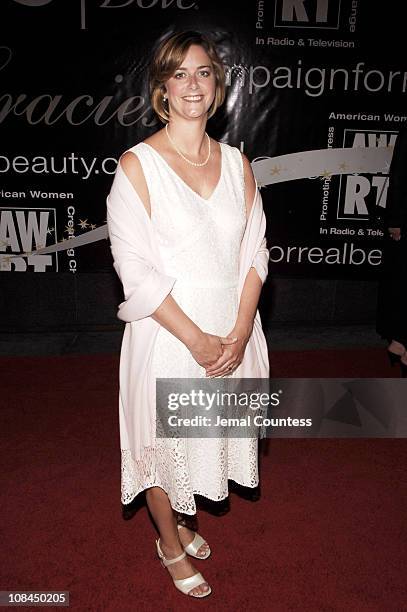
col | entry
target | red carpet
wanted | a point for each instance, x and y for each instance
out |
(328, 532)
(333, 363)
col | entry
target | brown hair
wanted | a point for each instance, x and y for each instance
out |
(169, 56)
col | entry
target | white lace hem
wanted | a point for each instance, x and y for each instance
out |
(168, 469)
(181, 509)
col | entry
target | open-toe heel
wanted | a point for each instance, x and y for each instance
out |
(193, 547)
(185, 585)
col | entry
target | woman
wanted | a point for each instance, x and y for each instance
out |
(187, 228)
(392, 318)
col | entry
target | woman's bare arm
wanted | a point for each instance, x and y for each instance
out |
(233, 355)
(253, 284)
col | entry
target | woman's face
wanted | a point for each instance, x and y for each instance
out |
(191, 89)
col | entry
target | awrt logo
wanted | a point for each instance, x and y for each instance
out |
(363, 196)
(322, 14)
(23, 230)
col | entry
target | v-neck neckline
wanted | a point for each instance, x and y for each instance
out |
(206, 200)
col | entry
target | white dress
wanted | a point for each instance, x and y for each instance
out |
(199, 240)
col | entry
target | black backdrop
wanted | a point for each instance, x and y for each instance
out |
(303, 75)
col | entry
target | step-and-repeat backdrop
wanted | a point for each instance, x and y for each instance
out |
(305, 80)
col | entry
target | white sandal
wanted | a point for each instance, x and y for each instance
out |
(185, 585)
(193, 547)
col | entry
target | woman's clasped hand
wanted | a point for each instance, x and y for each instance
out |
(219, 355)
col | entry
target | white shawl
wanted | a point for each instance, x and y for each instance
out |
(138, 263)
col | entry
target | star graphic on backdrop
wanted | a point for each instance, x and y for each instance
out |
(92, 226)
(68, 229)
(326, 174)
(83, 224)
(275, 170)
(343, 166)
(50, 230)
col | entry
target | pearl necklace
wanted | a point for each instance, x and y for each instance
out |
(183, 156)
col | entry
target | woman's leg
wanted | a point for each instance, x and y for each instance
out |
(166, 523)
